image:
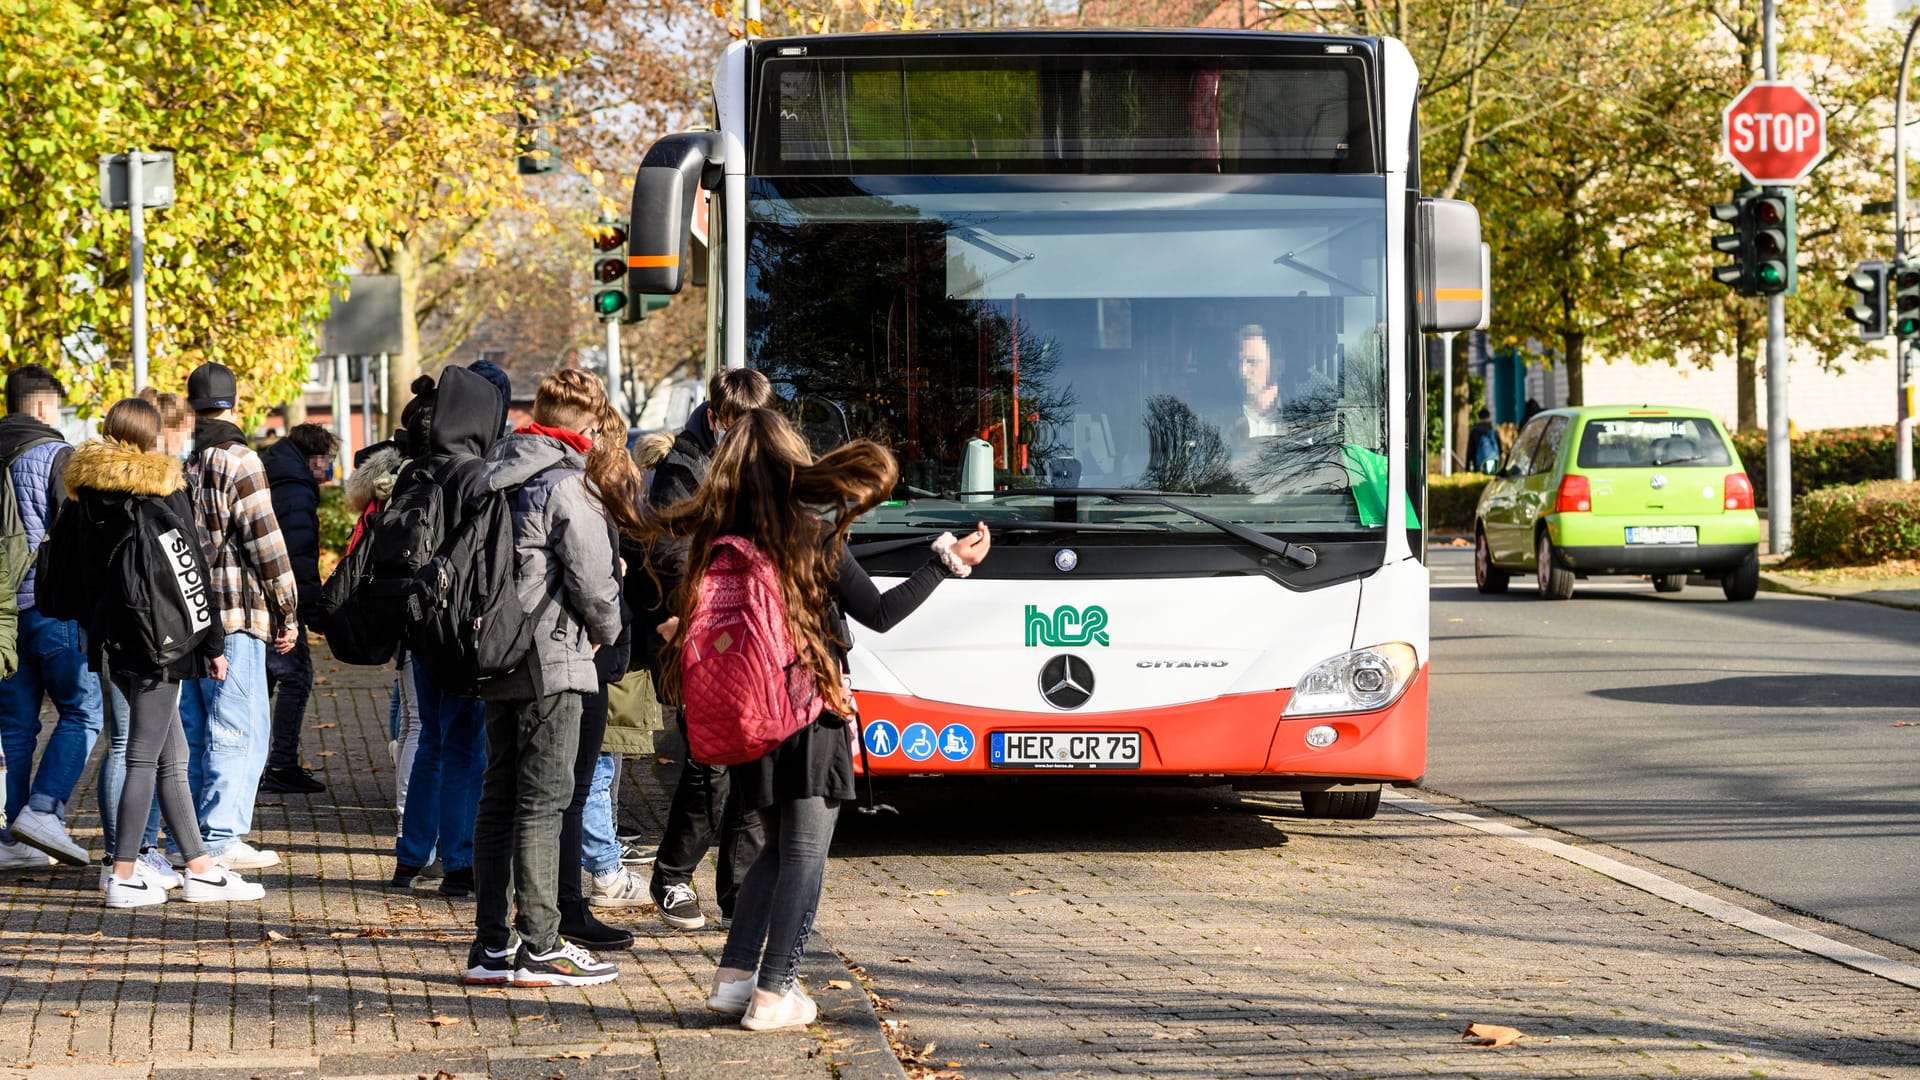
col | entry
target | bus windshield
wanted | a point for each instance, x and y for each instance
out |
(1212, 336)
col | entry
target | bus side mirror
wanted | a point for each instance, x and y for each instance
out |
(1451, 286)
(666, 193)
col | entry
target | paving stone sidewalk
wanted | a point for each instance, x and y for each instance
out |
(333, 974)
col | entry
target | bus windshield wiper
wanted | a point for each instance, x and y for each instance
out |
(1298, 554)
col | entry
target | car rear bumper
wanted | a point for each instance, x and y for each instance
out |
(1655, 558)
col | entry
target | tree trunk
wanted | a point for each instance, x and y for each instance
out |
(1462, 400)
(1746, 379)
(295, 410)
(1571, 343)
(403, 367)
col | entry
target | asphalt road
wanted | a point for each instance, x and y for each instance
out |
(1754, 744)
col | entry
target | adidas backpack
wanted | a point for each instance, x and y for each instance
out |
(464, 619)
(363, 604)
(159, 602)
(742, 684)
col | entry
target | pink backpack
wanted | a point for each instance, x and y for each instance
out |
(742, 683)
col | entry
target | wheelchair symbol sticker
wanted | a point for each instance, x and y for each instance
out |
(956, 743)
(882, 738)
(917, 742)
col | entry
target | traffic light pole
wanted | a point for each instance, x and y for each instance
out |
(1779, 446)
(1903, 420)
(137, 268)
(613, 371)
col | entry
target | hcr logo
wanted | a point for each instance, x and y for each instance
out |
(1068, 626)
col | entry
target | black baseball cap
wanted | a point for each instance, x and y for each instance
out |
(211, 386)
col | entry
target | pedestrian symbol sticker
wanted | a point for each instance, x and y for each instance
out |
(882, 738)
(956, 743)
(917, 742)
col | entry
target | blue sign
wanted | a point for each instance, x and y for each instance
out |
(882, 738)
(956, 743)
(917, 742)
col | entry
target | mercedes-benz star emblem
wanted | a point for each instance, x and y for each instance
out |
(1658, 481)
(1066, 681)
(1065, 560)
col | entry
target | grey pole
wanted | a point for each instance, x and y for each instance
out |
(366, 401)
(1446, 405)
(342, 406)
(1779, 447)
(613, 370)
(1903, 421)
(137, 271)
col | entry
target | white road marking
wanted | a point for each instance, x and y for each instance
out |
(1645, 880)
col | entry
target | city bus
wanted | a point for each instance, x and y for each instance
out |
(1149, 304)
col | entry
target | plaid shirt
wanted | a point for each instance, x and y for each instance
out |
(243, 542)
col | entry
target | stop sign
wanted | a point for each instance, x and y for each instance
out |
(1775, 133)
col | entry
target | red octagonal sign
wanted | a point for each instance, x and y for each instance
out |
(1775, 133)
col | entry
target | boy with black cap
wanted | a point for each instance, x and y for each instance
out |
(228, 723)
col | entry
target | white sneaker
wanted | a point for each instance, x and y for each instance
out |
(794, 1009)
(137, 891)
(48, 833)
(244, 856)
(621, 888)
(144, 870)
(21, 857)
(163, 871)
(219, 883)
(732, 998)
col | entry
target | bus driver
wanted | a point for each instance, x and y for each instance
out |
(1260, 401)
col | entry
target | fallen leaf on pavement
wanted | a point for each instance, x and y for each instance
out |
(439, 1021)
(374, 931)
(1493, 1035)
(70, 1013)
(273, 936)
(1023, 892)
(572, 1055)
(839, 984)
(936, 892)
(326, 753)
(325, 726)
(1905, 723)
(903, 959)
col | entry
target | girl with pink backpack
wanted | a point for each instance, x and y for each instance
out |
(755, 661)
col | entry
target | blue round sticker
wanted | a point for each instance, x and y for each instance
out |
(917, 742)
(956, 743)
(882, 738)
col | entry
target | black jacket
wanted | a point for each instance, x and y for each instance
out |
(296, 505)
(679, 476)
(468, 415)
(648, 595)
(102, 477)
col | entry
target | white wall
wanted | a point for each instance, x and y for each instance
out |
(1861, 394)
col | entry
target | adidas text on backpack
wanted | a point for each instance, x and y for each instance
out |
(160, 605)
(743, 687)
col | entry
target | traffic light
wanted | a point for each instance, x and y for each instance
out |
(1869, 279)
(1906, 302)
(1761, 243)
(534, 120)
(609, 291)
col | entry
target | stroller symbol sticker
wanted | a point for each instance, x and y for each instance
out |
(882, 738)
(956, 743)
(917, 742)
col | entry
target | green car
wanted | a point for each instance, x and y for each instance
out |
(1643, 490)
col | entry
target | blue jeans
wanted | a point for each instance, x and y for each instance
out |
(443, 794)
(53, 663)
(228, 725)
(599, 850)
(113, 774)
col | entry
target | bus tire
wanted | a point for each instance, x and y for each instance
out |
(1487, 577)
(1669, 582)
(1743, 581)
(1555, 581)
(1341, 805)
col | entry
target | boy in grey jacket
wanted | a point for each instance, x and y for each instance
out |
(567, 575)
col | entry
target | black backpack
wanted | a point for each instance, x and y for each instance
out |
(363, 604)
(158, 599)
(464, 617)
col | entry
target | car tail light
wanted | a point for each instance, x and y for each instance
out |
(1575, 495)
(1739, 492)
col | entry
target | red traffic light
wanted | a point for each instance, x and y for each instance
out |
(609, 237)
(607, 270)
(1769, 211)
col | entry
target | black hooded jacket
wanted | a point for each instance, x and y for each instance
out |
(468, 416)
(296, 505)
(674, 480)
(679, 476)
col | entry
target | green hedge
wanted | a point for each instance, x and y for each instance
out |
(336, 526)
(1451, 500)
(1857, 524)
(1822, 458)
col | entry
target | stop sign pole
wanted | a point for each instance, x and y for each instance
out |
(1903, 411)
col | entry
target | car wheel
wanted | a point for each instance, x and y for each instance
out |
(1487, 577)
(1342, 805)
(1669, 582)
(1743, 581)
(1556, 582)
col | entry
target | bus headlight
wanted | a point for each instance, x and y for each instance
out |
(1360, 681)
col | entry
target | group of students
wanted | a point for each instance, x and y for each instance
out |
(191, 738)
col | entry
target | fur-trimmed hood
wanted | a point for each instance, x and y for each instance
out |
(106, 465)
(373, 478)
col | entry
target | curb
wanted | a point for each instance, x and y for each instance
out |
(848, 1013)
(1780, 583)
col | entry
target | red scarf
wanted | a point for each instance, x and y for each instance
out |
(571, 438)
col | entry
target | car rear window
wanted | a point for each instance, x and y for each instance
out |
(1640, 442)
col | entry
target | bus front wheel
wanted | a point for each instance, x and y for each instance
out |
(1341, 805)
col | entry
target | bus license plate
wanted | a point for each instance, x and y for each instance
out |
(1064, 750)
(1662, 534)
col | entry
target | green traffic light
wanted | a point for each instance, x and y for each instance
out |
(1907, 327)
(1770, 275)
(609, 302)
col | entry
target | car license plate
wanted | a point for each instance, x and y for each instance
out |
(1663, 534)
(1064, 750)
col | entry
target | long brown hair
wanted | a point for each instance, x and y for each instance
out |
(577, 400)
(765, 485)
